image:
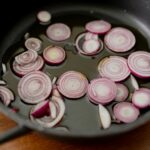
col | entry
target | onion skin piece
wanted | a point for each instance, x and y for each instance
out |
(104, 116)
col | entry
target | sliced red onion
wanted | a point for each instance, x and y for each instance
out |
(114, 67)
(89, 36)
(2, 82)
(102, 91)
(139, 64)
(41, 109)
(48, 121)
(54, 54)
(141, 98)
(33, 43)
(126, 112)
(4, 69)
(122, 92)
(119, 39)
(53, 110)
(26, 57)
(34, 87)
(6, 95)
(91, 46)
(58, 32)
(44, 17)
(98, 26)
(134, 82)
(80, 41)
(104, 117)
(21, 70)
(72, 84)
(56, 93)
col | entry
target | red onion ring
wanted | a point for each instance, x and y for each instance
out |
(89, 36)
(48, 121)
(21, 70)
(58, 32)
(126, 112)
(139, 64)
(34, 87)
(33, 43)
(72, 84)
(141, 98)
(26, 57)
(6, 95)
(98, 26)
(44, 17)
(114, 67)
(102, 91)
(119, 39)
(79, 45)
(54, 54)
(122, 92)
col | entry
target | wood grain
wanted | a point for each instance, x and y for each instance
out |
(138, 139)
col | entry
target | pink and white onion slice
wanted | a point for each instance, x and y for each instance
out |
(53, 110)
(89, 36)
(104, 116)
(119, 39)
(114, 67)
(80, 42)
(21, 70)
(102, 91)
(49, 121)
(58, 32)
(54, 54)
(34, 87)
(139, 64)
(141, 98)
(6, 95)
(122, 92)
(44, 17)
(33, 43)
(134, 82)
(126, 112)
(72, 84)
(26, 57)
(98, 26)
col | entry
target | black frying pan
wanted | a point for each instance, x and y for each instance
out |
(81, 118)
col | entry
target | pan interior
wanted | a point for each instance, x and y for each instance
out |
(81, 116)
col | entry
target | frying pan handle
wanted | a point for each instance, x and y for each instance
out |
(12, 133)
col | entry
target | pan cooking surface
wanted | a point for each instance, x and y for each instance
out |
(81, 116)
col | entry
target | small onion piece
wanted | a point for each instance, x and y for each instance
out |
(41, 109)
(114, 67)
(54, 54)
(34, 87)
(2, 82)
(44, 17)
(104, 116)
(58, 32)
(80, 42)
(53, 110)
(122, 92)
(98, 26)
(21, 70)
(26, 57)
(126, 112)
(48, 121)
(4, 69)
(6, 95)
(33, 43)
(89, 36)
(102, 91)
(134, 82)
(141, 98)
(72, 84)
(119, 39)
(139, 64)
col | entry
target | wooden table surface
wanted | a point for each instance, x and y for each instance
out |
(138, 139)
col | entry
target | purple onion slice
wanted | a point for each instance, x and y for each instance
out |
(102, 91)
(72, 84)
(139, 64)
(120, 39)
(54, 54)
(126, 112)
(98, 26)
(34, 87)
(114, 67)
(44, 17)
(58, 32)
